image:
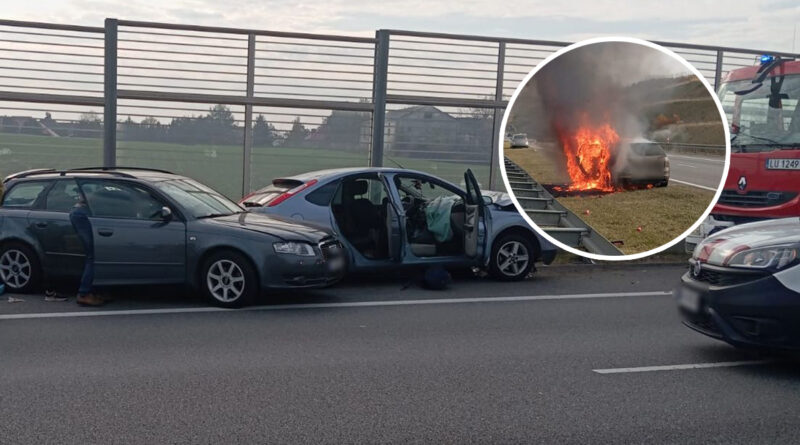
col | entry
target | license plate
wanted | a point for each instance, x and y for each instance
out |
(689, 299)
(783, 164)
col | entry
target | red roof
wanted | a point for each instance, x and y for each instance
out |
(747, 73)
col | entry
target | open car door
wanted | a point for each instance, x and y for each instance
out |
(473, 212)
(393, 219)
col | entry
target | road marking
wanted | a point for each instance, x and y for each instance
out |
(716, 161)
(90, 313)
(685, 165)
(713, 189)
(682, 367)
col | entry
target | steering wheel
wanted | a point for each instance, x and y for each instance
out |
(408, 202)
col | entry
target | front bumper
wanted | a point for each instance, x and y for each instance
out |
(749, 214)
(293, 271)
(755, 311)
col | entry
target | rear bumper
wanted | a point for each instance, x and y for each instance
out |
(761, 313)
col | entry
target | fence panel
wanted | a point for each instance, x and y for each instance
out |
(259, 104)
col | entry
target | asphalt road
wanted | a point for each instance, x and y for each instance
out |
(696, 170)
(408, 365)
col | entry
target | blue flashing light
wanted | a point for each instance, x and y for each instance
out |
(766, 58)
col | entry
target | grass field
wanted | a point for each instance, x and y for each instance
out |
(662, 213)
(219, 166)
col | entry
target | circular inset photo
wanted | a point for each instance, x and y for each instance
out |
(614, 148)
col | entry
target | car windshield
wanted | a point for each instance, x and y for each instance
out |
(197, 199)
(765, 119)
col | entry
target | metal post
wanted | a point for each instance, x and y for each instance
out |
(379, 81)
(494, 174)
(110, 95)
(718, 70)
(248, 114)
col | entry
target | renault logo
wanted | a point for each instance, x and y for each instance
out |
(696, 269)
(742, 183)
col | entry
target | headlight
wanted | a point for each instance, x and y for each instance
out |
(301, 249)
(772, 257)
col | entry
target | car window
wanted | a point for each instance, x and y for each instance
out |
(62, 196)
(418, 187)
(117, 199)
(324, 194)
(24, 195)
(197, 199)
(369, 187)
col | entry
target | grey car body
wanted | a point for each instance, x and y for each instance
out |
(313, 197)
(154, 227)
(641, 162)
(519, 141)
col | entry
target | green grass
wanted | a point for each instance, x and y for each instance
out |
(662, 213)
(219, 166)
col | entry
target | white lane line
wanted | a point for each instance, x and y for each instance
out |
(682, 367)
(713, 189)
(716, 161)
(90, 313)
(685, 165)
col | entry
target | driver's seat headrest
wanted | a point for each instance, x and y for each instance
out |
(355, 188)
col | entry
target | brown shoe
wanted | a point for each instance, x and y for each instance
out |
(89, 300)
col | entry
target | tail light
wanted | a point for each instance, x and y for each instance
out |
(288, 194)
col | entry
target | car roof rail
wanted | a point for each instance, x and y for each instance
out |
(109, 169)
(26, 173)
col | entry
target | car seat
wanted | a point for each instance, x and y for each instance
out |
(360, 217)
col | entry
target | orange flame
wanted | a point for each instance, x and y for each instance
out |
(588, 153)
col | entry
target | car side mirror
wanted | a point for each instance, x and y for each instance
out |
(487, 200)
(165, 213)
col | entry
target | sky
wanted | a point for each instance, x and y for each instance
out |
(756, 24)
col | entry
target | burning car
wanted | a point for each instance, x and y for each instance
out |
(743, 286)
(640, 162)
(597, 159)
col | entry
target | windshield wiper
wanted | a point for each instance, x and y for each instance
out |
(217, 215)
(758, 138)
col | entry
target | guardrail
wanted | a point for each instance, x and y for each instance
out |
(236, 107)
(706, 149)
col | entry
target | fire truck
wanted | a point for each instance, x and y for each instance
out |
(761, 103)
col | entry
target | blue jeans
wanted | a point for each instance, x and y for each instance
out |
(79, 217)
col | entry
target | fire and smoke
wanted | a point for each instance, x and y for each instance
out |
(583, 96)
(588, 154)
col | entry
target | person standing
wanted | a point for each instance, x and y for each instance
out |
(79, 217)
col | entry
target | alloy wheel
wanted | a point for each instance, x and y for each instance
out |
(512, 258)
(15, 269)
(225, 281)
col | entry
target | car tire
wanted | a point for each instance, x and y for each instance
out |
(228, 279)
(508, 253)
(20, 268)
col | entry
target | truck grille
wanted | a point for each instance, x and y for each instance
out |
(755, 198)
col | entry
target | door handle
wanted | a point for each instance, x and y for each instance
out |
(105, 232)
(41, 225)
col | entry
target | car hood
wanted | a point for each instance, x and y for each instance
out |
(286, 229)
(500, 199)
(718, 247)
